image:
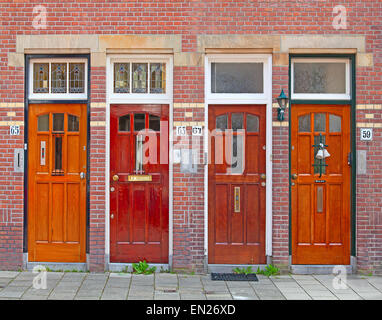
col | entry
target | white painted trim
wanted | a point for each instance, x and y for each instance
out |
(235, 100)
(58, 96)
(242, 98)
(164, 98)
(129, 99)
(322, 96)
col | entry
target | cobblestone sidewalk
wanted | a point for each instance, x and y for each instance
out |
(163, 286)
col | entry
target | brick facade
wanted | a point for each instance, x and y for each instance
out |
(190, 19)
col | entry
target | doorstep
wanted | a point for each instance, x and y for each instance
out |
(228, 268)
(119, 267)
(318, 269)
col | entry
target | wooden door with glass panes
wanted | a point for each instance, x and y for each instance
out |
(139, 182)
(57, 182)
(320, 178)
(236, 184)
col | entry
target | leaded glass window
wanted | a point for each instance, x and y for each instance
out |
(58, 83)
(58, 78)
(41, 78)
(121, 77)
(76, 77)
(158, 78)
(139, 77)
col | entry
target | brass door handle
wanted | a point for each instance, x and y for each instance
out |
(115, 177)
(294, 176)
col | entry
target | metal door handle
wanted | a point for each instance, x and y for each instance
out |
(294, 176)
(82, 175)
(115, 177)
(112, 216)
(263, 176)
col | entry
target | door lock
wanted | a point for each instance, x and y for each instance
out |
(82, 175)
(112, 189)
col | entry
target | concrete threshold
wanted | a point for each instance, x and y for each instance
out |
(119, 267)
(319, 269)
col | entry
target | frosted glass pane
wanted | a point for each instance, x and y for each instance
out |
(237, 77)
(252, 123)
(320, 77)
(334, 123)
(124, 123)
(222, 122)
(304, 123)
(320, 122)
(43, 123)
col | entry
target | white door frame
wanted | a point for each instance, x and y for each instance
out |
(128, 98)
(226, 99)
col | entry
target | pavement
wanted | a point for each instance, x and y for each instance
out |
(170, 286)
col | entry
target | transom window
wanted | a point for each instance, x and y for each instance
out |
(58, 79)
(139, 77)
(239, 77)
(320, 78)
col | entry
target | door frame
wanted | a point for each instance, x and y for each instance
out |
(111, 98)
(352, 102)
(266, 99)
(27, 102)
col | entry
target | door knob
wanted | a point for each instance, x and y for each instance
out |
(82, 175)
(294, 176)
(263, 176)
(112, 216)
(115, 177)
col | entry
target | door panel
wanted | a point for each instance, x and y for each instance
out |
(320, 188)
(56, 191)
(236, 185)
(139, 209)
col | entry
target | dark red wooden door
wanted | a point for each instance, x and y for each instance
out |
(139, 181)
(320, 188)
(236, 185)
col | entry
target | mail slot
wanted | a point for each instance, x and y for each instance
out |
(140, 177)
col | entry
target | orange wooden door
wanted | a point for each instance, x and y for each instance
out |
(236, 185)
(57, 183)
(139, 209)
(320, 188)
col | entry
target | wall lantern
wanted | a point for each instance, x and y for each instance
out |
(282, 100)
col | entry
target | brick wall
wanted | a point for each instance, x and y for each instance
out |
(189, 18)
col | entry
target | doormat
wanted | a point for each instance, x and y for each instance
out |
(233, 277)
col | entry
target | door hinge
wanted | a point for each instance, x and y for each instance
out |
(349, 159)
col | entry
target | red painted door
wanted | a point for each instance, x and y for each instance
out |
(57, 183)
(236, 185)
(320, 188)
(139, 181)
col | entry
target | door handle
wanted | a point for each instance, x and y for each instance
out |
(115, 177)
(112, 216)
(263, 176)
(82, 175)
(294, 176)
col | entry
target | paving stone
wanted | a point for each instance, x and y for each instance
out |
(218, 296)
(61, 296)
(140, 297)
(26, 275)
(87, 297)
(9, 274)
(34, 297)
(166, 296)
(6, 293)
(20, 283)
(324, 298)
(120, 275)
(297, 296)
(192, 296)
(245, 297)
(348, 297)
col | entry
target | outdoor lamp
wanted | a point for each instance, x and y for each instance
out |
(282, 100)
